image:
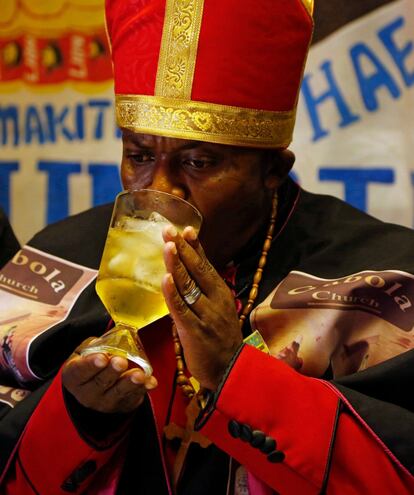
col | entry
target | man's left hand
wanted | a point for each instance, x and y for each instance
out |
(209, 329)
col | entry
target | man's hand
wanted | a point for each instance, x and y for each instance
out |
(105, 384)
(209, 329)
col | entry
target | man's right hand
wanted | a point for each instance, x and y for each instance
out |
(105, 384)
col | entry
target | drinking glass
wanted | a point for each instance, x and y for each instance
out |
(132, 268)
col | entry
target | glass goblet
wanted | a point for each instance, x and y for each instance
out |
(132, 268)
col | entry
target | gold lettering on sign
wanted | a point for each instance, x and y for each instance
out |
(301, 290)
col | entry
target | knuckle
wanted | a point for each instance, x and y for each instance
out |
(181, 271)
(204, 327)
(123, 402)
(187, 284)
(118, 392)
(127, 402)
(124, 394)
(203, 266)
(101, 382)
(70, 377)
(180, 306)
(137, 394)
(125, 390)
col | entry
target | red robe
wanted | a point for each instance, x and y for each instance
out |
(348, 435)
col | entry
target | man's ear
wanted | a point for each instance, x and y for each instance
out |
(279, 164)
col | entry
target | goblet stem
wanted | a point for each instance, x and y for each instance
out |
(123, 341)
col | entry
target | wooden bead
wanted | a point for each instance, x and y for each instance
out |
(253, 294)
(188, 389)
(249, 307)
(267, 244)
(182, 380)
(257, 277)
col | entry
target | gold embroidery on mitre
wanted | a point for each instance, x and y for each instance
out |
(309, 6)
(202, 121)
(178, 50)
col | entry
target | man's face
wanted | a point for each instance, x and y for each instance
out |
(230, 186)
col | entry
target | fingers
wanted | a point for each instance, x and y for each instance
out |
(80, 370)
(181, 313)
(104, 383)
(192, 256)
(130, 389)
(190, 235)
(110, 371)
(184, 283)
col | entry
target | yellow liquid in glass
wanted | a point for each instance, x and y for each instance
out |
(130, 275)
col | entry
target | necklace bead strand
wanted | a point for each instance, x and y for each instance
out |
(262, 262)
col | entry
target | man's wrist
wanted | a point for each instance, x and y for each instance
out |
(210, 397)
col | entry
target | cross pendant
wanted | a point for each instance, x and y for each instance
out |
(187, 437)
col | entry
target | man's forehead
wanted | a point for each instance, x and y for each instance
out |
(151, 140)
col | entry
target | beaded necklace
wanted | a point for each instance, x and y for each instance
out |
(182, 380)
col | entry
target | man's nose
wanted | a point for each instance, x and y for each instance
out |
(166, 177)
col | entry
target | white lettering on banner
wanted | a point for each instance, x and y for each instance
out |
(40, 124)
(372, 68)
(31, 53)
(78, 53)
(37, 136)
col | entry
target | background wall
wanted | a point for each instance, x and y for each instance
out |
(60, 149)
(355, 129)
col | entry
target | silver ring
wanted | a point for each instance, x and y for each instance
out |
(192, 295)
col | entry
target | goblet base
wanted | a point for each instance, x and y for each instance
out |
(121, 341)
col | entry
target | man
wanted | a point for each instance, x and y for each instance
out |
(325, 412)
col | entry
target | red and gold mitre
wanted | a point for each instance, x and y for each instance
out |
(221, 71)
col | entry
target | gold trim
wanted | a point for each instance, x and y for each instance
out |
(178, 52)
(88, 87)
(309, 4)
(202, 121)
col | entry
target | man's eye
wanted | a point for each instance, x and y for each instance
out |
(198, 163)
(141, 158)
